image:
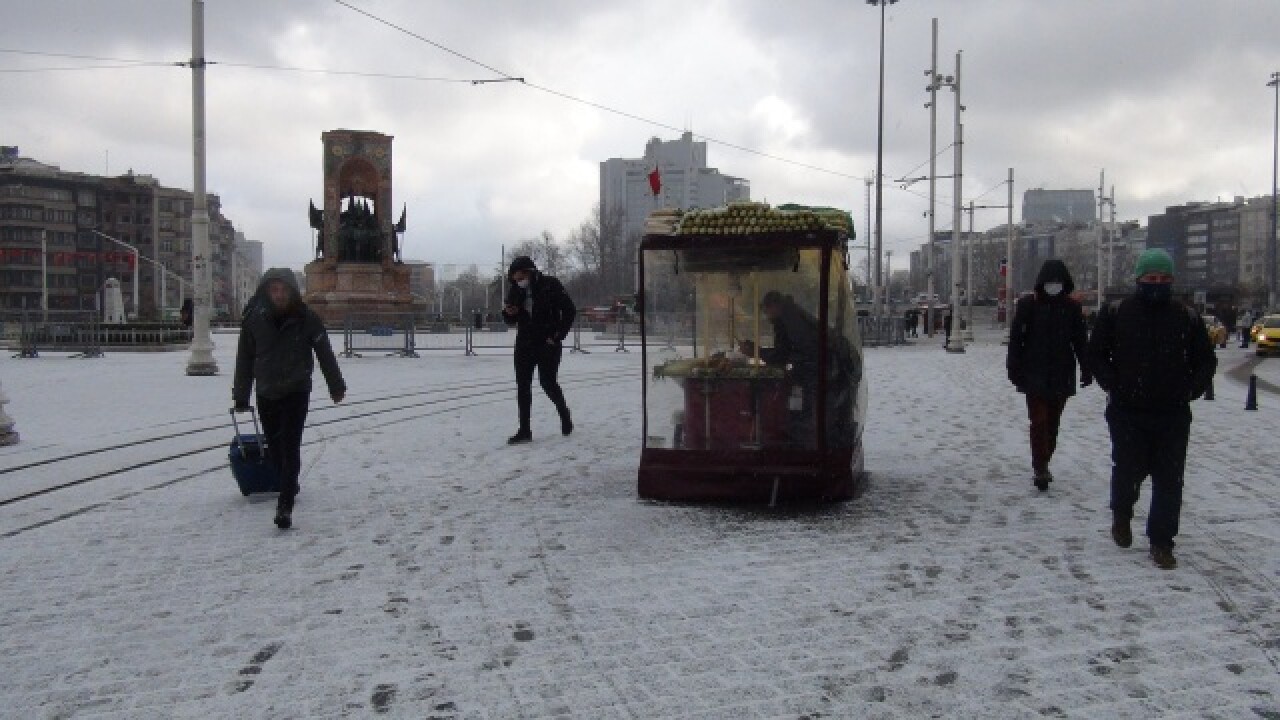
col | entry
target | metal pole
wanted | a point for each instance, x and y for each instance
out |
(1111, 237)
(44, 277)
(933, 173)
(1008, 266)
(956, 343)
(880, 170)
(137, 314)
(201, 361)
(1275, 165)
(869, 283)
(1102, 174)
(968, 278)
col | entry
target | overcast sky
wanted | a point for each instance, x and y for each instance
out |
(1169, 96)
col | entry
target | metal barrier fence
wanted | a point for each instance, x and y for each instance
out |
(487, 338)
(393, 335)
(83, 334)
(886, 331)
(595, 334)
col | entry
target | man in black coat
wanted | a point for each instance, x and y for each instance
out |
(279, 335)
(539, 306)
(1153, 357)
(1047, 339)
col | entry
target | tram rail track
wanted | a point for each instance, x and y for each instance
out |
(498, 392)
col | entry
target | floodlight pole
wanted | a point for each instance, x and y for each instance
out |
(956, 342)
(933, 178)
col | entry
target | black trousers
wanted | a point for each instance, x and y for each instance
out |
(546, 360)
(1149, 443)
(282, 421)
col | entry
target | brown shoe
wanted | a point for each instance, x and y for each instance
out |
(1121, 533)
(1162, 556)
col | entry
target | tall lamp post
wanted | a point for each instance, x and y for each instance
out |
(201, 361)
(1275, 165)
(876, 292)
(137, 314)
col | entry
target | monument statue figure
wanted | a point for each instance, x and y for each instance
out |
(359, 267)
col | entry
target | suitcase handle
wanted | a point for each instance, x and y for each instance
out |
(257, 430)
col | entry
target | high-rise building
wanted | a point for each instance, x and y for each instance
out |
(686, 182)
(71, 209)
(1058, 207)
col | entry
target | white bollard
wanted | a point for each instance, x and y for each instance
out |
(8, 436)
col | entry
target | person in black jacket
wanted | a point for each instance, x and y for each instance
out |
(1153, 357)
(1047, 339)
(279, 335)
(539, 306)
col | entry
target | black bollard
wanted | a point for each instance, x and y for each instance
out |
(1208, 394)
(1252, 402)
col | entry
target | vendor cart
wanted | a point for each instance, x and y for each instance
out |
(753, 386)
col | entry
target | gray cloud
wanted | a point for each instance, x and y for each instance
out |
(1169, 97)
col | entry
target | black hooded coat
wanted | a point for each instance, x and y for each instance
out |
(1048, 337)
(552, 312)
(277, 350)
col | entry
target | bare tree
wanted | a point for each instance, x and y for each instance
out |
(547, 254)
(604, 254)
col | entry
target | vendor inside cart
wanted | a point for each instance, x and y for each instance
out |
(795, 347)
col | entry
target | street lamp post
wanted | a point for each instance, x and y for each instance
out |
(876, 295)
(1275, 166)
(137, 314)
(955, 343)
(201, 361)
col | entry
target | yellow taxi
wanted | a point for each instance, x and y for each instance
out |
(1267, 334)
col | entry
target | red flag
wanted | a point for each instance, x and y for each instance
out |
(655, 181)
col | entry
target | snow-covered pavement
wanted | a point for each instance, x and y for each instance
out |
(435, 572)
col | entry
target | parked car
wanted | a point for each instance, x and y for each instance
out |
(1268, 335)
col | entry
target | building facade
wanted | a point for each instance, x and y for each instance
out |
(1058, 207)
(686, 182)
(92, 226)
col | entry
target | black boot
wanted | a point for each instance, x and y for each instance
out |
(566, 423)
(284, 512)
(1120, 531)
(521, 437)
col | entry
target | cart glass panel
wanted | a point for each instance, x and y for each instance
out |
(846, 391)
(733, 346)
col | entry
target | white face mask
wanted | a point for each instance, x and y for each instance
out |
(524, 284)
(1053, 288)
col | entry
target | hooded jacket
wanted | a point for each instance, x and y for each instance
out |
(1151, 355)
(552, 313)
(1048, 338)
(278, 349)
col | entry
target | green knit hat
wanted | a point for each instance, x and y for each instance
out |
(1153, 260)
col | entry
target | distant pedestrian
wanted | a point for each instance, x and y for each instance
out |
(280, 340)
(946, 327)
(1245, 325)
(539, 306)
(1047, 340)
(186, 314)
(1152, 355)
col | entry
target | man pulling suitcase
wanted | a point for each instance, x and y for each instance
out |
(280, 340)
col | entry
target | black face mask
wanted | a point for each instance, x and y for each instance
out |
(1155, 292)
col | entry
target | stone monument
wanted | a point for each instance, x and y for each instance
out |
(357, 270)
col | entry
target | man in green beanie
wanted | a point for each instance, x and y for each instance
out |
(1152, 356)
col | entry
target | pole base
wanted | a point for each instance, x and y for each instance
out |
(9, 438)
(955, 349)
(202, 369)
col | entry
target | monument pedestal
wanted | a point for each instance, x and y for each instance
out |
(363, 291)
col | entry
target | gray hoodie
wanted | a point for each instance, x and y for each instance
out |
(278, 349)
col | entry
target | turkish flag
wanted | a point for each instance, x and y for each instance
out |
(655, 181)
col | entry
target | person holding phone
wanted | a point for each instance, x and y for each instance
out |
(538, 306)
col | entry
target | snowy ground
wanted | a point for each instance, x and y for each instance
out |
(434, 572)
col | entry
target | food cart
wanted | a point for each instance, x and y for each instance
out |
(753, 386)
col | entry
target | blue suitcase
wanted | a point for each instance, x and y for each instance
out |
(249, 464)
